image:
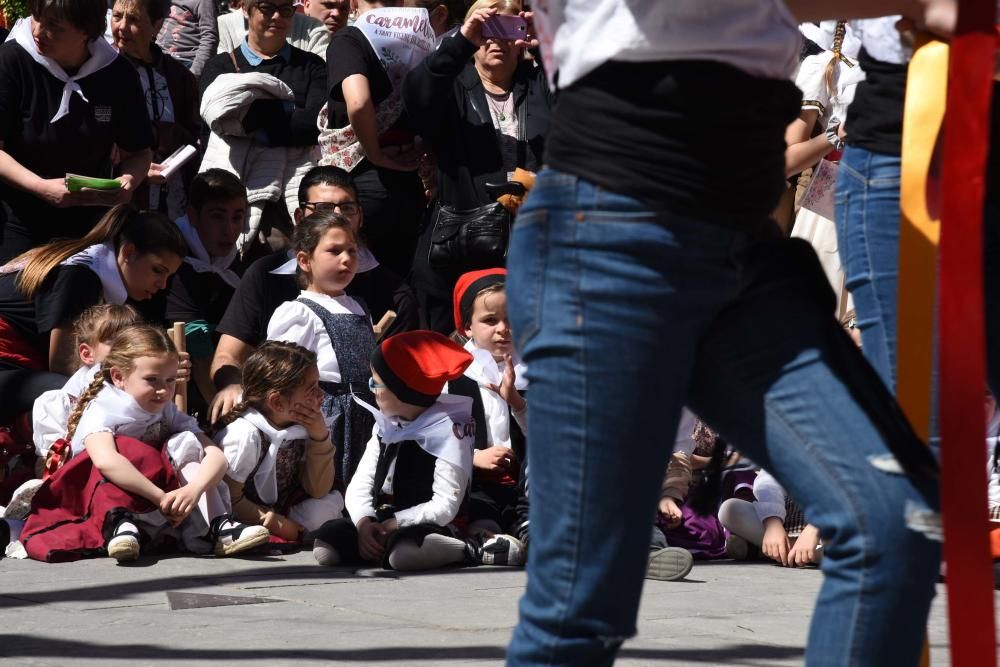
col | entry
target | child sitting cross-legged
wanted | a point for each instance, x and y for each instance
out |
(141, 471)
(281, 460)
(414, 474)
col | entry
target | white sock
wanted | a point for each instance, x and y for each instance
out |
(325, 554)
(126, 527)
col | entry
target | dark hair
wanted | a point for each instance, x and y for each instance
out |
(86, 15)
(215, 185)
(311, 229)
(456, 9)
(275, 366)
(156, 10)
(334, 176)
(148, 231)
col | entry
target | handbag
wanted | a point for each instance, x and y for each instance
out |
(470, 239)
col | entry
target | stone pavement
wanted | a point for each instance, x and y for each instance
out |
(284, 610)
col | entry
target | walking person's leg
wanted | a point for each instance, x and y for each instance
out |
(607, 301)
(780, 379)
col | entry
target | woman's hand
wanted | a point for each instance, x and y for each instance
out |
(472, 29)
(775, 545)
(668, 507)
(531, 40)
(154, 175)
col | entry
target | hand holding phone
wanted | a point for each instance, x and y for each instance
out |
(510, 28)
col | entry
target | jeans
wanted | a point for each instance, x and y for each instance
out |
(623, 315)
(867, 198)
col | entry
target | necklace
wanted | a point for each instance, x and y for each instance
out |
(500, 109)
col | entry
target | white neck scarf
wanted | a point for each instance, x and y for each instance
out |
(103, 260)
(101, 55)
(201, 261)
(485, 370)
(439, 430)
(265, 479)
(366, 262)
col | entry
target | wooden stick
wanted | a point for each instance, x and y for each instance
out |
(384, 323)
(181, 394)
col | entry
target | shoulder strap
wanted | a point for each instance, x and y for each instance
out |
(232, 57)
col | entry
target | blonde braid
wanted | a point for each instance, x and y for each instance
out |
(838, 44)
(90, 394)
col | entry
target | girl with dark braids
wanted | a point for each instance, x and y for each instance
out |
(140, 467)
(281, 459)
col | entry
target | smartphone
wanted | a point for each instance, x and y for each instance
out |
(500, 26)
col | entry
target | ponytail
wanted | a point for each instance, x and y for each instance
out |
(90, 394)
(838, 44)
(148, 231)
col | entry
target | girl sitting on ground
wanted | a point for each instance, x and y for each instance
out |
(281, 460)
(140, 467)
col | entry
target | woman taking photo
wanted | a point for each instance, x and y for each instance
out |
(128, 256)
(483, 110)
(66, 99)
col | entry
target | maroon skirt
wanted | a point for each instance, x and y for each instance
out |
(75, 510)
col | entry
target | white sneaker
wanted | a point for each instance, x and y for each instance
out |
(124, 546)
(20, 503)
(503, 550)
(232, 537)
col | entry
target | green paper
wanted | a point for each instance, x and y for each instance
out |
(75, 183)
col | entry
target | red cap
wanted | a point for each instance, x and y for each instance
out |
(416, 364)
(468, 286)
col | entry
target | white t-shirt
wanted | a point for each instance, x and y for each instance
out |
(759, 37)
(294, 322)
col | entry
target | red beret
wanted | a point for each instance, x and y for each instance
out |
(416, 364)
(468, 286)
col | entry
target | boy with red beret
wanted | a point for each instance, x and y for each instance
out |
(414, 474)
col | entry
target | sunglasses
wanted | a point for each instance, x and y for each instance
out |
(268, 9)
(346, 207)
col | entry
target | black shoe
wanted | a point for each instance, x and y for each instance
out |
(4, 536)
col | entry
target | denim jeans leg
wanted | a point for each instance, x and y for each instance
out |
(867, 197)
(800, 400)
(607, 302)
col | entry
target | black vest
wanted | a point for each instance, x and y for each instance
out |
(413, 482)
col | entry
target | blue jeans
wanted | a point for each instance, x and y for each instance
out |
(623, 315)
(867, 198)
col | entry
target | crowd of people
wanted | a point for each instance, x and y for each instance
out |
(323, 194)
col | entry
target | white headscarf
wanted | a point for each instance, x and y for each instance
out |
(101, 55)
(201, 261)
(437, 430)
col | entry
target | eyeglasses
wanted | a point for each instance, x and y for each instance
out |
(268, 9)
(346, 207)
(373, 385)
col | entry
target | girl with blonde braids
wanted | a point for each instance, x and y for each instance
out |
(281, 459)
(140, 467)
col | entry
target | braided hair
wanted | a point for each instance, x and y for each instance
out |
(276, 366)
(838, 44)
(129, 344)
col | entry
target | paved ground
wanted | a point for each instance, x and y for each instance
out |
(96, 611)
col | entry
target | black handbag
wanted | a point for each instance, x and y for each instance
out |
(470, 239)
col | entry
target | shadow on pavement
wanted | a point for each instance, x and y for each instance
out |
(28, 646)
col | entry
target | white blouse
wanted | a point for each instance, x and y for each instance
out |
(51, 411)
(251, 444)
(117, 412)
(294, 322)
